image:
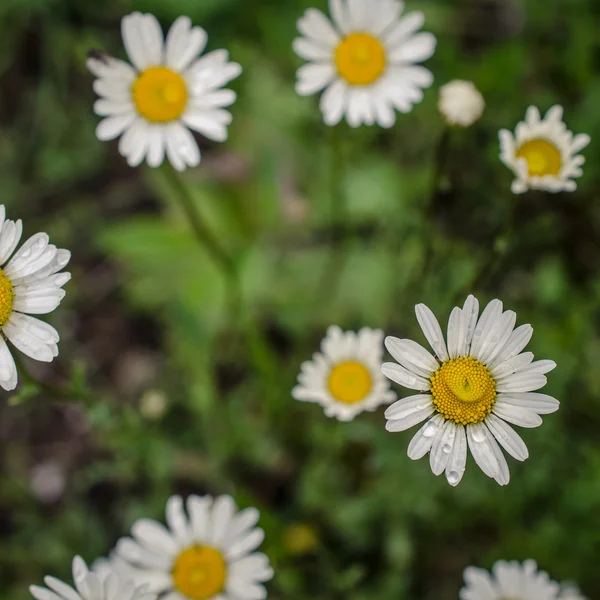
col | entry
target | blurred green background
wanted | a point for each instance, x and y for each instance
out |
(184, 396)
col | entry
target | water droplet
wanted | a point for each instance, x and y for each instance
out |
(453, 477)
(446, 448)
(429, 430)
(478, 435)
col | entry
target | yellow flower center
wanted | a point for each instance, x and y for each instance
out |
(543, 157)
(349, 382)
(199, 572)
(160, 94)
(360, 59)
(463, 390)
(7, 296)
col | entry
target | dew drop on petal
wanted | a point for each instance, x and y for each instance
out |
(430, 430)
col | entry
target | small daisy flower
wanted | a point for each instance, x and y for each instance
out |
(345, 377)
(543, 153)
(90, 586)
(365, 60)
(470, 390)
(461, 103)
(168, 91)
(509, 580)
(30, 282)
(206, 553)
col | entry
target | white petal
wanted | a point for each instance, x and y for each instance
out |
(222, 513)
(486, 322)
(61, 588)
(310, 50)
(480, 585)
(247, 544)
(9, 238)
(37, 301)
(8, 369)
(406, 406)
(199, 509)
(241, 523)
(409, 420)
(418, 48)
(442, 447)
(182, 149)
(471, 312)
(522, 382)
(432, 331)
(210, 123)
(580, 141)
(456, 332)
(539, 366)
(313, 77)
(143, 40)
(134, 553)
(409, 23)
(412, 356)
(177, 521)
(532, 116)
(184, 43)
(497, 337)
(154, 536)
(404, 377)
(539, 403)
(422, 440)
(334, 102)
(509, 439)
(112, 127)
(156, 146)
(458, 458)
(42, 593)
(31, 336)
(512, 365)
(478, 437)
(517, 341)
(517, 415)
(314, 24)
(339, 13)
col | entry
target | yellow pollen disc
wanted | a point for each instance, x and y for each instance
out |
(349, 382)
(160, 94)
(7, 296)
(463, 390)
(360, 59)
(542, 156)
(199, 572)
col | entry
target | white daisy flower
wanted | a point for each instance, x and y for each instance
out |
(90, 585)
(168, 91)
(345, 377)
(30, 282)
(543, 152)
(469, 390)
(364, 59)
(206, 553)
(461, 103)
(509, 580)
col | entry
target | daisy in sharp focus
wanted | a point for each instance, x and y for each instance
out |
(345, 377)
(206, 553)
(90, 586)
(509, 580)
(543, 153)
(469, 390)
(30, 282)
(153, 104)
(364, 59)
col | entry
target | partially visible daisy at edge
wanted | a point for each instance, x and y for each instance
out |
(460, 103)
(364, 60)
(90, 585)
(166, 92)
(470, 389)
(345, 377)
(543, 153)
(30, 282)
(207, 551)
(509, 579)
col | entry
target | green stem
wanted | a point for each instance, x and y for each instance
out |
(202, 232)
(41, 387)
(334, 269)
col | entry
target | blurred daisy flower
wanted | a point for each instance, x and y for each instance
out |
(509, 580)
(30, 282)
(460, 103)
(206, 553)
(90, 586)
(569, 591)
(364, 59)
(543, 153)
(345, 377)
(168, 91)
(469, 390)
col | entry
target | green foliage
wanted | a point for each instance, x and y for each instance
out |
(149, 310)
